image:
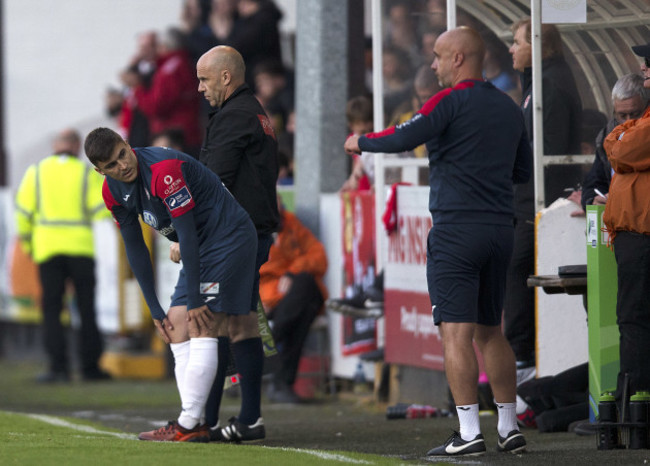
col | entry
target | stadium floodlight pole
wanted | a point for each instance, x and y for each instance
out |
(538, 108)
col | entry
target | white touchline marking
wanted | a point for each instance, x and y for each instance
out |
(323, 455)
(91, 430)
(88, 429)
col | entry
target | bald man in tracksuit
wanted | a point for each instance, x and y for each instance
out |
(478, 147)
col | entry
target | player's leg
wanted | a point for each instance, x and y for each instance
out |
(200, 372)
(249, 358)
(454, 257)
(195, 362)
(499, 358)
(239, 299)
(246, 345)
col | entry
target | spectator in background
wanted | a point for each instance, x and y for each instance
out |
(133, 122)
(562, 127)
(207, 23)
(397, 74)
(273, 91)
(56, 202)
(114, 100)
(194, 24)
(427, 41)
(359, 116)
(255, 34)
(221, 19)
(592, 122)
(171, 101)
(285, 169)
(497, 67)
(402, 31)
(172, 138)
(435, 15)
(425, 85)
(367, 63)
(285, 150)
(293, 293)
(629, 101)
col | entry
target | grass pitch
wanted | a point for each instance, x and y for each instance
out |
(49, 425)
(33, 439)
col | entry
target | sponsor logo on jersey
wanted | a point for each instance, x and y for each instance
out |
(415, 118)
(209, 288)
(172, 184)
(180, 198)
(150, 219)
(126, 197)
(168, 230)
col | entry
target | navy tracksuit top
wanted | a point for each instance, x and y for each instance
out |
(478, 147)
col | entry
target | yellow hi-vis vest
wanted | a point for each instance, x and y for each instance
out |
(56, 202)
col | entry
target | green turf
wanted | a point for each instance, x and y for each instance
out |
(29, 440)
(20, 392)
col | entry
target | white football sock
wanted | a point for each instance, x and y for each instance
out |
(181, 352)
(470, 426)
(199, 376)
(507, 418)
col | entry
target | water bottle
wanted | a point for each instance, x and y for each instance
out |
(639, 403)
(607, 429)
(397, 411)
(420, 411)
(410, 411)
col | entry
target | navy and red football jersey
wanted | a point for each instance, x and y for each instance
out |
(169, 184)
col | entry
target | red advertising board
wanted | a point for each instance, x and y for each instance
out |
(358, 213)
(411, 337)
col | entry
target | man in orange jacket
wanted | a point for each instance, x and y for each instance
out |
(627, 217)
(293, 293)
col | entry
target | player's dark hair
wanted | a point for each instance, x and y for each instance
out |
(100, 143)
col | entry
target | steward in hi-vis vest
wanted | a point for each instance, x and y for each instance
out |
(56, 202)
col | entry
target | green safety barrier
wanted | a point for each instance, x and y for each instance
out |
(602, 286)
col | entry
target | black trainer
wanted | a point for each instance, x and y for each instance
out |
(237, 431)
(456, 446)
(514, 442)
(215, 434)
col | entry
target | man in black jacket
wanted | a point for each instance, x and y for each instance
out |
(240, 146)
(562, 128)
(629, 100)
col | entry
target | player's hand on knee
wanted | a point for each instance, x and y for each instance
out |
(162, 326)
(201, 321)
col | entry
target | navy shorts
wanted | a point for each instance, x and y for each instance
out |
(466, 272)
(227, 275)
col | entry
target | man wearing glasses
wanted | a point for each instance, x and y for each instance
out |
(629, 101)
(628, 223)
